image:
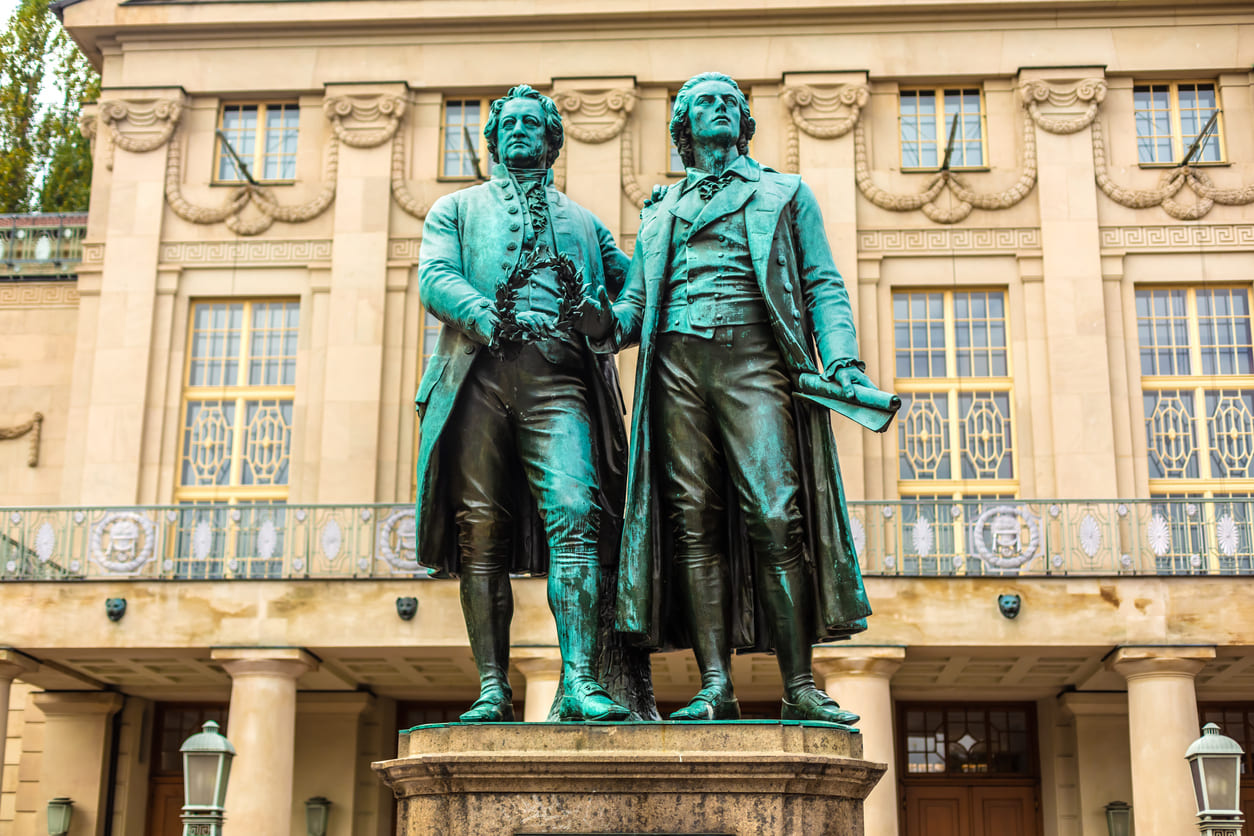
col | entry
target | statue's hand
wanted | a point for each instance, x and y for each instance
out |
(594, 318)
(487, 323)
(846, 376)
(536, 325)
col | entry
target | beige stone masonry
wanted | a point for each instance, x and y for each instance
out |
(77, 739)
(328, 738)
(1162, 722)
(12, 665)
(1100, 724)
(1073, 303)
(262, 728)
(859, 679)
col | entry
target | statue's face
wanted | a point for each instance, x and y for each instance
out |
(714, 115)
(520, 134)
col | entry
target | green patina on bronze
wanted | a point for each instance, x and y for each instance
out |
(736, 532)
(522, 450)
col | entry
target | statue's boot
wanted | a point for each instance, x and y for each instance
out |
(488, 605)
(704, 590)
(573, 594)
(789, 605)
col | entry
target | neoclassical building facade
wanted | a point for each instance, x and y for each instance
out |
(1044, 214)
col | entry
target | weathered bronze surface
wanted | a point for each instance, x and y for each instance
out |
(522, 450)
(736, 532)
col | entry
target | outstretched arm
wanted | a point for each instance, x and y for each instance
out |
(442, 284)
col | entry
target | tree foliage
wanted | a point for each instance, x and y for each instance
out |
(45, 164)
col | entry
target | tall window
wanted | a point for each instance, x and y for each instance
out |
(954, 434)
(926, 119)
(1197, 389)
(1169, 117)
(263, 137)
(461, 138)
(237, 402)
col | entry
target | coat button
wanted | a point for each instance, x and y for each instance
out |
(513, 210)
(514, 227)
(788, 287)
(512, 245)
(505, 266)
(509, 195)
(469, 349)
(779, 259)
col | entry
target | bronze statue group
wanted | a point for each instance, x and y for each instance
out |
(719, 521)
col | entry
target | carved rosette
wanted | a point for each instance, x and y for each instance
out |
(821, 112)
(597, 117)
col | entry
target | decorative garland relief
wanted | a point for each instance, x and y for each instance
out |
(35, 427)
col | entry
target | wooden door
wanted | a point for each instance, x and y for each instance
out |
(1003, 811)
(937, 811)
(165, 803)
(970, 809)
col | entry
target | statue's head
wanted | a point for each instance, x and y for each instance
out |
(524, 129)
(702, 85)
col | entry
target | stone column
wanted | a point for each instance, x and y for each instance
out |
(1162, 722)
(859, 679)
(77, 735)
(541, 668)
(364, 118)
(1073, 302)
(12, 665)
(262, 727)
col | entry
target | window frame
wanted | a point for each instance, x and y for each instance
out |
(1198, 384)
(1177, 132)
(257, 164)
(234, 492)
(484, 104)
(942, 133)
(954, 386)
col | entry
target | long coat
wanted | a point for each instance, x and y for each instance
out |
(808, 306)
(471, 242)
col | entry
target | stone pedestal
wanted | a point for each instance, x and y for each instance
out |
(739, 779)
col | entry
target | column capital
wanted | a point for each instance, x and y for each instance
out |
(64, 703)
(290, 662)
(1137, 662)
(858, 661)
(14, 663)
(1104, 704)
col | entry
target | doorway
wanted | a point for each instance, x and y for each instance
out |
(173, 723)
(968, 769)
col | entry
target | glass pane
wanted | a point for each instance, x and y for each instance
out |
(1171, 438)
(1162, 332)
(923, 437)
(208, 433)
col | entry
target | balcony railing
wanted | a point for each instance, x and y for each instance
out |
(932, 537)
(33, 246)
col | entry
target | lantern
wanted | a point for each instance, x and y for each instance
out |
(317, 811)
(59, 812)
(1119, 818)
(1215, 761)
(206, 771)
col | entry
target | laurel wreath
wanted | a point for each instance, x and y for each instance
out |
(570, 288)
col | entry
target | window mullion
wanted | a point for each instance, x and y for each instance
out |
(951, 390)
(1177, 129)
(1199, 392)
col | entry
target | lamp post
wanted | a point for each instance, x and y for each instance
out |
(1215, 761)
(317, 811)
(206, 771)
(60, 810)
(1119, 818)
